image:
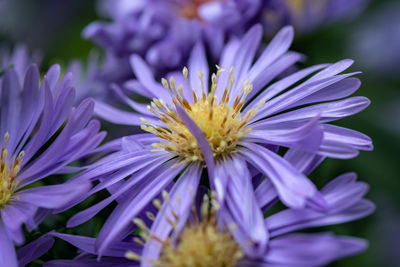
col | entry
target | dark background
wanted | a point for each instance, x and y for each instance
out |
(372, 39)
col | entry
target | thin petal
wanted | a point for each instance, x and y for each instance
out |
(34, 250)
(8, 256)
(185, 186)
(294, 189)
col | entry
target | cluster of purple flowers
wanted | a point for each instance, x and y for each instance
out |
(164, 32)
(220, 145)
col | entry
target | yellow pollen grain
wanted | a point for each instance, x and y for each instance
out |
(8, 173)
(222, 124)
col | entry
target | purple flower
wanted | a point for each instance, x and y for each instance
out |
(209, 235)
(307, 15)
(165, 31)
(42, 133)
(191, 127)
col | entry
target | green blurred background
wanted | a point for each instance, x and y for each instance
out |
(54, 27)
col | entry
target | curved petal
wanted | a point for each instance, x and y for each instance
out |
(307, 137)
(34, 250)
(185, 186)
(117, 116)
(125, 212)
(294, 189)
(8, 256)
(241, 202)
(53, 196)
(200, 138)
(198, 63)
(312, 249)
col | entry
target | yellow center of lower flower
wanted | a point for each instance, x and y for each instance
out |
(8, 172)
(222, 123)
(201, 243)
(189, 9)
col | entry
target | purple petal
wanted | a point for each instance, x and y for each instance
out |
(10, 107)
(16, 213)
(293, 97)
(312, 249)
(117, 116)
(87, 244)
(305, 162)
(53, 196)
(307, 137)
(8, 256)
(283, 84)
(327, 111)
(198, 62)
(240, 200)
(52, 75)
(273, 71)
(200, 138)
(34, 250)
(189, 180)
(293, 188)
(88, 213)
(245, 55)
(145, 77)
(124, 213)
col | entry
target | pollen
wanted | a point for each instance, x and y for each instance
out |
(201, 243)
(8, 172)
(222, 123)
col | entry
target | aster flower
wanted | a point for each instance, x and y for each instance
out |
(165, 31)
(307, 15)
(222, 130)
(42, 133)
(208, 237)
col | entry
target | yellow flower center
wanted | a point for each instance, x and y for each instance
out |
(190, 8)
(201, 243)
(222, 124)
(8, 172)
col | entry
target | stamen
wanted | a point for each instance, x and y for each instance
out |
(201, 243)
(222, 123)
(8, 173)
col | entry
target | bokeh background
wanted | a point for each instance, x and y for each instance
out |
(372, 39)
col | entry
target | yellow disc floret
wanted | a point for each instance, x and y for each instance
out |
(222, 123)
(201, 244)
(8, 172)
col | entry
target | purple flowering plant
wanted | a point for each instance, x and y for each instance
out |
(227, 146)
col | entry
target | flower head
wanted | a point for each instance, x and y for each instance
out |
(201, 243)
(222, 124)
(231, 131)
(42, 134)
